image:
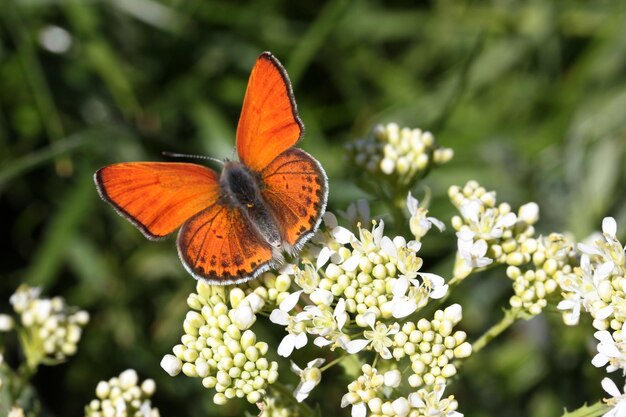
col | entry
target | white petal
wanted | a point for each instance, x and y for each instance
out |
(608, 349)
(377, 232)
(610, 387)
(604, 312)
(412, 204)
(322, 257)
(342, 235)
(359, 410)
(465, 235)
(320, 296)
(415, 400)
(286, 346)
(507, 220)
(300, 340)
(315, 363)
(599, 360)
(290, 301)
(439, 292)
(438, 223)
(403, 308)
(479, 248)
(603, 336)
(388, 247)
(400, 287)
(295, 368)
(279, 317)
(340, 308)
(609, 226)
(351, 263)
(321, 341)
(357, 345)
(369, 317)
(414, 245)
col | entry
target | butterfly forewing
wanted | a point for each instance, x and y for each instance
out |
(157, 197)
(295, 189)
(269, 122)
(220, 245)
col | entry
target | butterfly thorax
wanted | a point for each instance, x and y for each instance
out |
(242, 188)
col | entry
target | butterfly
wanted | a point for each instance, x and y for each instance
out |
(236, 224)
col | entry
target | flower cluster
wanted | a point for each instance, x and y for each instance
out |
(363, 280)
(488, 233)
(218, 345)
(364, 395)
(49, 329)
(553, 260)
(122, 396)
(402, 155)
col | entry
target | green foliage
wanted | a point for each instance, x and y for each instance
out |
(530, 95)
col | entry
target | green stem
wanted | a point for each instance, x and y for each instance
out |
(510, 316)
(593, 410)
(304, 409)
(333, 363)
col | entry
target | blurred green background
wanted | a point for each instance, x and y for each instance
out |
(530, 95)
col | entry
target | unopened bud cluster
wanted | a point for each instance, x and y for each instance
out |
(402, 155)
(123, 397)
(552, 258)
(432, 347)
(219, 347)
(51, 329)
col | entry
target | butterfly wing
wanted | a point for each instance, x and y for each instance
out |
(220, 245)
(295, 188)
(269, 122)
(157, 197)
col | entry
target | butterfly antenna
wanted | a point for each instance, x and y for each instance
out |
(184, 155)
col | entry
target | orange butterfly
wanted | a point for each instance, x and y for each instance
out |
(235, 225)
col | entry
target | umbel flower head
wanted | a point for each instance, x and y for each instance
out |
(218, 345)
(49, 329)
(397, 155)
(123, 396)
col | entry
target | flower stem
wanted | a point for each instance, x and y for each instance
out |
(333, 363)
(594, 410)
(510, 316)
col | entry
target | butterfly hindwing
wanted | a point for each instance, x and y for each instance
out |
(157, 197)
(269, 122)
(295, 188)
(221, 246)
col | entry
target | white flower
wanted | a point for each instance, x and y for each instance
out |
(609, 352)
(327, 327)
(472, 252)
(310, 377)
(419, 222)
(403, 303)
(433, 403)
(296, 337)
(378, 337)
(618, 400)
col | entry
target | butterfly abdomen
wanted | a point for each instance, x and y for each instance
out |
(241, 189)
